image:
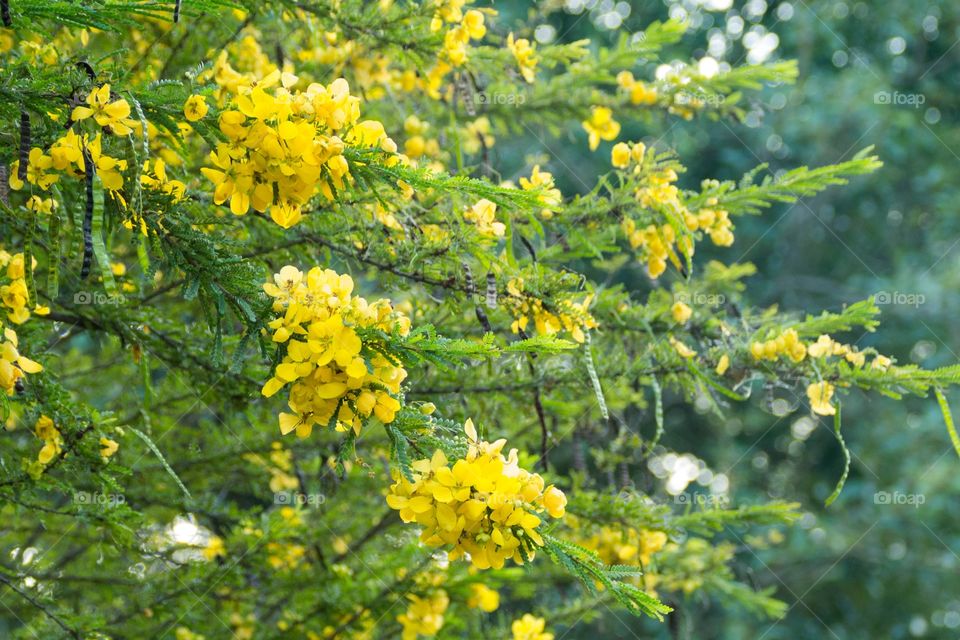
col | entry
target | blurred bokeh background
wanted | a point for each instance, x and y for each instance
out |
(884, 560)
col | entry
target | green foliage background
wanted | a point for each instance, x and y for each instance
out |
(856, 569)
(859, 568)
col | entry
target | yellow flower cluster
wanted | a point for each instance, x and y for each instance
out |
(284, 146)
(285, 556)
(622, 545)
(52, 440)
(14, 298)
(418, 144)
(280, 466)
(456, 40)
(530, 627)
(13, 293)
(691, 561)
(639, 92)
(658, 191)
(476, 135)
(787, 344)
(573, 317)
(526, 56)
(601, 126)
(66, 155)
(424, 615)
(333, 377)
(825, 346)
(484, 505)
(484, 215)
(655, 244)
(714, 222)
(550, 196)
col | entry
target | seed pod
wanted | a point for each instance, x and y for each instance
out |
(24, 145)
(484, 321)
(465, 89)
(468, 278)
(4, 183)
(176, 12)
(88, 171)
(491, 290)
(84, 66)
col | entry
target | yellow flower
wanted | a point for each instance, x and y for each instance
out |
(473, 23)
(160, 182)
(601, 126)
(682, 350)
(525, 55)
(483, 597)
(681, 312)
(13, 366)
(620, 155)
(40, 205)
(529, 627)
(550, 196)
(38, 165)
(723, 364)
(108, 447)
(484, 215)
(819, 394)
(195, 108)
(115, 115)
(52, 441)
(215, 548)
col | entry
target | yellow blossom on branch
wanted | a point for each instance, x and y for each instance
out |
(333, 378)
(113, 114)
(483, 506)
